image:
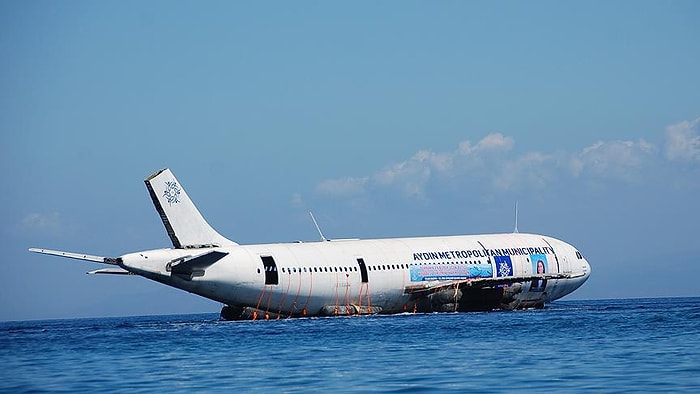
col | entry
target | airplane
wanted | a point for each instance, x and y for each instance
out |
(458, 273)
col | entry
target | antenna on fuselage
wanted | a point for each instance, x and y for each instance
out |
(323, 238)
(515, 231)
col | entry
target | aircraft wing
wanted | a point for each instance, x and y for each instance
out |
(427, 288)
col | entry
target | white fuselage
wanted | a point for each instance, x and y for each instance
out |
(426, 274)
(302, 278)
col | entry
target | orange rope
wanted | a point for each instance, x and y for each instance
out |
(347, 296)
(337, 296)
(369, 300)
(284, 297)
(294, 305)
(456, 291)
(311, 286)
(267, 308)
(360, 295)
(257, 306)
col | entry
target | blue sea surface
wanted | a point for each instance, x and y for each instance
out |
(634, 345)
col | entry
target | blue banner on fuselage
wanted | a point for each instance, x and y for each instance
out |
(450, 271)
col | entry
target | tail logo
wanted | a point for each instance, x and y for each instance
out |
(172, 193)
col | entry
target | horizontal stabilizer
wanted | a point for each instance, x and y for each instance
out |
(189, 267)
(110, 271)
(79, 256)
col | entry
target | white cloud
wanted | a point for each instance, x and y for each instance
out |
(621, 160)
(344, 187)
(533, 169)
(493, 142)
(682, 141)
(42, 223)
(297, 201)
(491, 162)
(412, 175)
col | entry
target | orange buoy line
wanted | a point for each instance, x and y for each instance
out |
(337, 296)
(369, 300)
(455, 296)
(267, 308)
(286, 293)
(260, 297)
(296, 298)
(359, 298)
(308, 297)
(347, 295)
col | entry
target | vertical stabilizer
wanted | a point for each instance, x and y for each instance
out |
(185, 225)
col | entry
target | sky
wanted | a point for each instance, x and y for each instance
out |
(386, 119)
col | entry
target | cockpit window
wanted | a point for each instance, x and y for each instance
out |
(579, 255)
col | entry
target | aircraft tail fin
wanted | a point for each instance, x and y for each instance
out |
(186, 227)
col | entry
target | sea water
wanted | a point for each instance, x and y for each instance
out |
(634, 345)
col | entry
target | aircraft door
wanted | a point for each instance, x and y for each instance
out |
(566, 260)
(271, 277)
(524, 265)
(363, 270)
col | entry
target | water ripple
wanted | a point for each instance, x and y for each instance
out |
(648, 345)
